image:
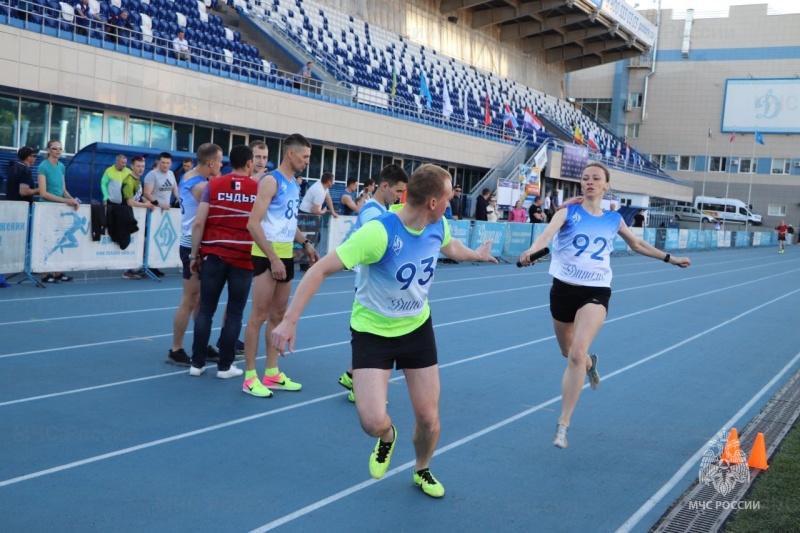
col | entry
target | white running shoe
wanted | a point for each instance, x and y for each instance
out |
(560, 440)
(233, 372)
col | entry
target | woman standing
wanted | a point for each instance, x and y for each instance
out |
(584, 239)
(518, 214)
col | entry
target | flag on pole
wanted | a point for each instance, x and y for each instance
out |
(709, 133)
(487, 119)
(463, 103)
(424, 91)
(619, 149)
(733, 135)
(447, 106)
(577, 136)
(759, 138)
(532, 121)
(394, 82)
(608, 151)
(627, 151)
(510, 119)
(592, 141)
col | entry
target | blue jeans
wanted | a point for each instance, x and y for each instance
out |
(215, 274)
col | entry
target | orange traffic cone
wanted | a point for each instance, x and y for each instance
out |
(731, 454)
(758, 456)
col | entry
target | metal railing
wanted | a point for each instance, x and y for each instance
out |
(500, 171)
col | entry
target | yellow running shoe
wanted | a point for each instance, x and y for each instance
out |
(254, 387)
(429, 484)
(381, 455)
(280, 382)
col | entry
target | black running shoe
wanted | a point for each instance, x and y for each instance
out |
(179, 358)
(212, 355)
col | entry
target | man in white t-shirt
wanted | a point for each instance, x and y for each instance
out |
(316, 195)
(160, 183)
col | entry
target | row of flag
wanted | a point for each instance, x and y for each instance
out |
(530, 120)
(758, 138)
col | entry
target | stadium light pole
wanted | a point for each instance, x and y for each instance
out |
(705, 172)
(750, 188)
(728, 180)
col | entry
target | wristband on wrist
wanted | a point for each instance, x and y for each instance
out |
(305, 242)
(666, 258)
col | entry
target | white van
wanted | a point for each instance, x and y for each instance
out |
(727, 209)
(688, 212)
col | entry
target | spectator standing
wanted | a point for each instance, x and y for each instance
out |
(492, 213)
(518, 214)
(350, 204)
(481, 205)
(304, 76)
(131, 192)
(638, 219)
(84, 16)
(19, 184)
(181, 46)
(119, 27)
(113, 179)
(221, 255)
(548, 200)
(316, 195)
(457, 203)
(535, 212)
(53, 188)
(160, 186)
(186, 165)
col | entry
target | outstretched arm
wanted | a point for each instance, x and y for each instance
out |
(544, 239)
(286, 331)
(643, 247)
(456, 250)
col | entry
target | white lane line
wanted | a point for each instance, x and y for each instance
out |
(651, 502)
(319, 347)
(95, 315)
(356, 488)
(502, 423)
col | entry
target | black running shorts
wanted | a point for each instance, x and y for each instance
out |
(566, 299)
(261, 265)
(412, 350)
(184, 252)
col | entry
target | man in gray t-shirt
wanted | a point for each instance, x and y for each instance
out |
(160, 183)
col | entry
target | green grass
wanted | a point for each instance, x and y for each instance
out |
(777, 490)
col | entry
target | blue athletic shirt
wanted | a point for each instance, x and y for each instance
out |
(343, 209)
(372, 209)
(582, 247)
(280, 221)
(188, 208)
(397, 267)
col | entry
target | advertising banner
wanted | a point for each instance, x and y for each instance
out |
(63, 241)
(489, 231)
(13, 236)
(518, 238)
(339, 229)
(163, 239)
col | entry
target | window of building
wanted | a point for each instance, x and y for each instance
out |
(64, 126)
(632, 131)
(34, 118)
(161, 135)
(634, 100)
(183, 138)
(90, 127)
(775, 210)
(202, 135)
(659, 159)
(352, 165)
(222, 138)
(364, 169)
(9, 112)
(139, 132)
(274, 148)
(686, 162)
(717, 164)
(378, 163)
(748, 165)
(781, 166)
(114, 131)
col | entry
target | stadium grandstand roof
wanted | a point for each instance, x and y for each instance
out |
(579, 33)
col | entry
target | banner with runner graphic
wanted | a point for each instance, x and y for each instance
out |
(489, 231)
(339, 229)
(62, 241)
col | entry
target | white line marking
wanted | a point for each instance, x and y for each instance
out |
(323, 346)
(356, 488)
(502, 423)
(651, 502)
